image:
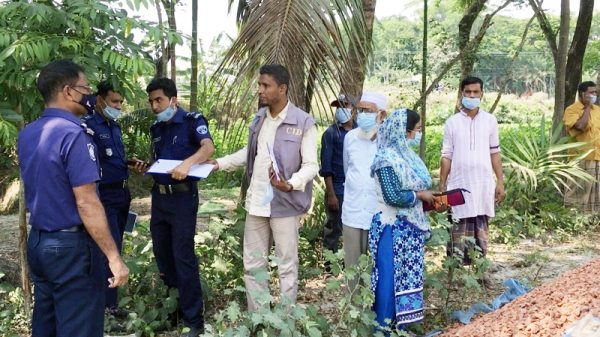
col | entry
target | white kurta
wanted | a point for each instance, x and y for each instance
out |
(469, 143)
(360, 198)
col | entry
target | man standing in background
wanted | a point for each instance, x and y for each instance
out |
(113, 189)
(470, 160)
(582, 121)
(332, 170)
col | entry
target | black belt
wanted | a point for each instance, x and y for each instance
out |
(116, 184)
(172, 189)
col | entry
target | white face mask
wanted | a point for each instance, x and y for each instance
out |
(593, 99)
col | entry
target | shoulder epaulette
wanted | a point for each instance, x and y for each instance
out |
(87, 129)
(194, 115)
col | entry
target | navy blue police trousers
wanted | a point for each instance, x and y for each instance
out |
(173, 226)
(116, 203)
(67, 273)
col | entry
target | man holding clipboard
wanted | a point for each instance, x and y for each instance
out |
(177, 135)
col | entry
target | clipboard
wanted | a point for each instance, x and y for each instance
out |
(453, 197)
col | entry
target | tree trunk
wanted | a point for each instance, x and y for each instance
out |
(170, 9)
(549, 33)
(359, 53)
(471, 45)
(161, 62)
(464, 36)
(512, 64)
(194, 74)
(560, 65)
(25, 285)
(423, 145)
(577, 50)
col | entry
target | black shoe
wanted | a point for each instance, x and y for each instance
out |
(194, 332)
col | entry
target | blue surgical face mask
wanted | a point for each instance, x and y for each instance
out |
(342, 115)
(166, 114)
(593, 99)
(366, 121)
(111, 112)
(470, 103)
(417, 140)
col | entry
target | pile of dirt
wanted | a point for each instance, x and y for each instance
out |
(545, 311)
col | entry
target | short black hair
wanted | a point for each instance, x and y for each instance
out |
(55, 76)
(279, 73)
(166, 84)
(470, 80)
(583, 86)
(104, 87)
(412, 118)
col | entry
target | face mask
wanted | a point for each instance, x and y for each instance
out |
(342, 115)
(366, 121)
(166, 114)
(417, 140)
(593, 99)
(111, 112)
(88, 102)
(470, 103)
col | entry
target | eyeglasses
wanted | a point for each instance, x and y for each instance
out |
(88, 89)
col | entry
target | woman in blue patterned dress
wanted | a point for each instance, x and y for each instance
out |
(399, 228)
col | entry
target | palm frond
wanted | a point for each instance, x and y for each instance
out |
(309, 37)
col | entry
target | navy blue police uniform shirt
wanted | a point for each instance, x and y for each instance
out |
(332, 153)
(178, 139)
(56, 154)
(111, 151)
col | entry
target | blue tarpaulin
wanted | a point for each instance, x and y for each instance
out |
(514, 290)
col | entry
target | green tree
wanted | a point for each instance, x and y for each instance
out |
(94, 34)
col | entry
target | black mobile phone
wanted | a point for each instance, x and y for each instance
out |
(131, 221)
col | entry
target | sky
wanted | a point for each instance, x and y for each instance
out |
(213, 17)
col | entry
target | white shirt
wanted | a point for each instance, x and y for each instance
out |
(360, 197)
(260, 174)
(469, 143)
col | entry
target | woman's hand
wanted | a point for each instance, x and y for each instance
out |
(426, 196)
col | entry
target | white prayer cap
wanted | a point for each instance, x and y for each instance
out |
(374, 97)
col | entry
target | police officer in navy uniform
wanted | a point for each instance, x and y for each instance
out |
(113, 189)
(181, 136)
(59, 166)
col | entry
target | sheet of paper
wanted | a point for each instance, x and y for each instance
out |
(273, 161)
(163, 166)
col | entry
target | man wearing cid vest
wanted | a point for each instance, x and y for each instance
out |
(275, 202)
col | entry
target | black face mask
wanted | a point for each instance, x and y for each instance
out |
(88, 102)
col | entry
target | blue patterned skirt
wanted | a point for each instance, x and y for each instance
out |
(397, 278)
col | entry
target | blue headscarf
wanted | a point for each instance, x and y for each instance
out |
(393, 151)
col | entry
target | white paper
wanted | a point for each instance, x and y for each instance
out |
(164, 166)
(273, 161)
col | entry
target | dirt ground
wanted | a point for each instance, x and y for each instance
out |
(538, 262)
